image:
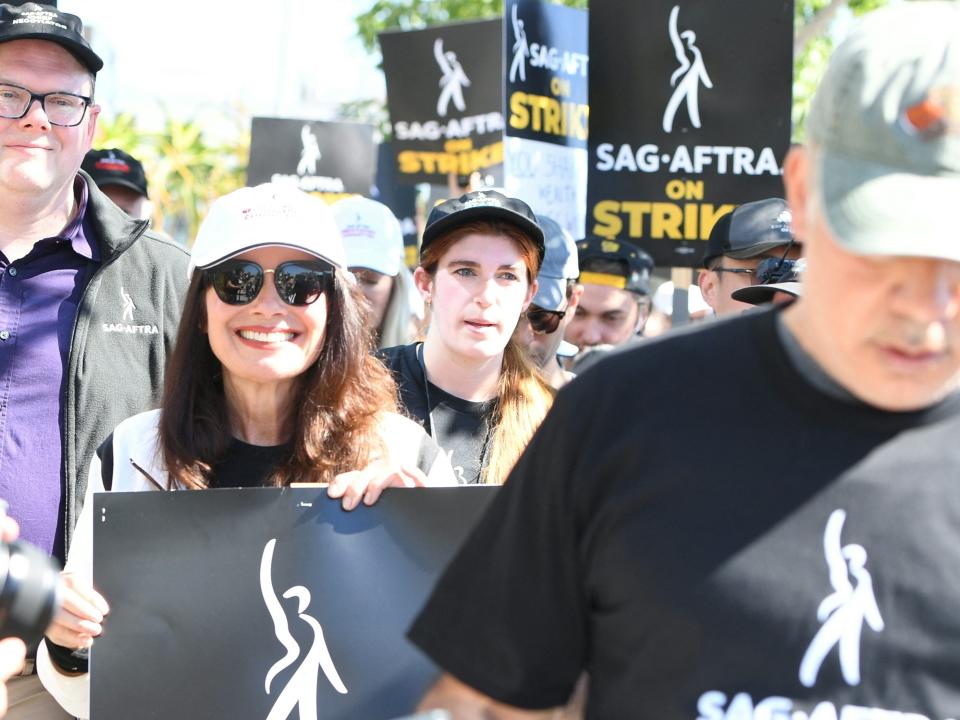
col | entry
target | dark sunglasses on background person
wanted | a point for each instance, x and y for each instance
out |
(544, 322)
(298, 282)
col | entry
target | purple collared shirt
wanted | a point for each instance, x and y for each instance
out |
(39, 296)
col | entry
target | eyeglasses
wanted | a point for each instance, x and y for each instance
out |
(61, 108)
(298, 282)
(544, 322)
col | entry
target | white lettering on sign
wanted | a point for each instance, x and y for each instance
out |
(721, 159)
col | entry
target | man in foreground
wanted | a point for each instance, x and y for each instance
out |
(89, 298)
(805, 575)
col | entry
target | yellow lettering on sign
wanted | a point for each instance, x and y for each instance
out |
(548, 115)
(656, 220)
(462, 162)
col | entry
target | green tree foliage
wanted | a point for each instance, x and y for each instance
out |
(185, 171)
(415, 14)
(812, 49)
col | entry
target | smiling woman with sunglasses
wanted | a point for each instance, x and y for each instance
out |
(271, 382)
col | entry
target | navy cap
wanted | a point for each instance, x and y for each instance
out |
(559, 265)
(45, 22)
(615, 263)
(115, 167)
(478, 205)
(750, 230)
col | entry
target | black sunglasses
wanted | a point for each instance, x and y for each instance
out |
(298, 282)
(544, 322)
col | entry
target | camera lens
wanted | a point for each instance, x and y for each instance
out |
(29, 591)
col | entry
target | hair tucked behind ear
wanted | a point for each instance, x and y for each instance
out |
(523, 396)
(341, 398)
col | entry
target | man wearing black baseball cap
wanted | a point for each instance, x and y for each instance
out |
(613, 309)
(738, 242)
(89, 298)
(122, 179)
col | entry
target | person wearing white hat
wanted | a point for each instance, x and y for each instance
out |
(661, 314)
(373, 241)
(271, 381)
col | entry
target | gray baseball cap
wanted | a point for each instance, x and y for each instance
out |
(886, 119)
(559, 265)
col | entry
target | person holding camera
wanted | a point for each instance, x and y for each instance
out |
(271, 382)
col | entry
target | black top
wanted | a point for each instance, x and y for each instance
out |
(248, 465)
(460, 427)
(775, 552)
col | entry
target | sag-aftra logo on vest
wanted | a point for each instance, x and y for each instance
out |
(128, 321)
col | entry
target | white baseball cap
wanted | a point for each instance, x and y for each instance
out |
(371, 235)
(663, 299)
(268, 215)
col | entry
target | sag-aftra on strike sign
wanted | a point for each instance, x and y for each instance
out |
(690, 116)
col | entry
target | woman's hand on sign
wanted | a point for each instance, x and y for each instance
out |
(81, 614)
(367, 484)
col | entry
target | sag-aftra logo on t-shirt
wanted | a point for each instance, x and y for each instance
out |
(842, 615)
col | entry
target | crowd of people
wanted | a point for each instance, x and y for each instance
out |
(688, 526)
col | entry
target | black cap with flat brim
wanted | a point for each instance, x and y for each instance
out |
(763, 294)
(480, 205)
(750, 230)
(45, 22)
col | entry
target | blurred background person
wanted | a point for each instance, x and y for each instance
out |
(121, 178)
(661, 314)
(541, 328)
(373, 240)
(470, 382)
(615, 303)
(738, 242)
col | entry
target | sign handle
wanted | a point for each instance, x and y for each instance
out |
(682, 279)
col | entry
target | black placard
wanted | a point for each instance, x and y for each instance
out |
(401, 199)
(193, 631)
(690, 115)
(328, 158)
(445, 95)
(545, 74)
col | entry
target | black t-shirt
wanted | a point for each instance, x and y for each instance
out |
(460, 427)
(774, 553)
(248, 465)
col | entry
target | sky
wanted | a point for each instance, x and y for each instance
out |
(221, 63)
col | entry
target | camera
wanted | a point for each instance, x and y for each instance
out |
(30, 591)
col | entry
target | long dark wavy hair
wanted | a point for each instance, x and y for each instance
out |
(335, 421)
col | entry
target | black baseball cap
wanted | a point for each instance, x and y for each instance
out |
(45, 22)
(478, 205)
(750, 230)
(115, 167)
(614, 263)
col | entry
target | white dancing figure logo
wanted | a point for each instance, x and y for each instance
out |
(521, 50)
(686, 79)
(128, 306)
(301, 689)
(453, 81)
(843, 611)
(310, 153)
